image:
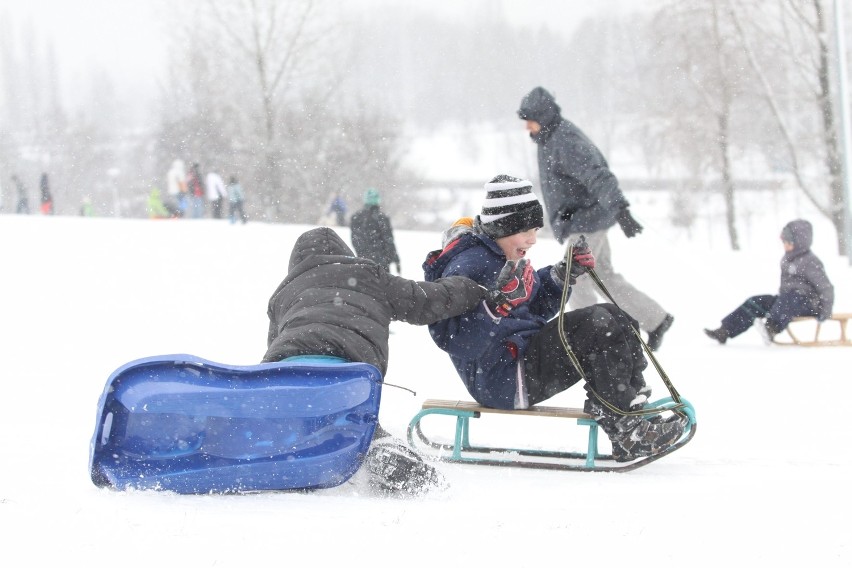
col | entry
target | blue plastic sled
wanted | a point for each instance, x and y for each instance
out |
(184, 424)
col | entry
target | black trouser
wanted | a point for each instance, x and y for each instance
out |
(779, 311)
(608, 351)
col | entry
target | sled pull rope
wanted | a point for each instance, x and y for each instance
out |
(399, 387)
(569, 257)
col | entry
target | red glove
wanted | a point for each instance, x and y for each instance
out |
(513, 287)
(582, 260)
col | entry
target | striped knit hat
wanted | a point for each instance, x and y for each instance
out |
(510, 207)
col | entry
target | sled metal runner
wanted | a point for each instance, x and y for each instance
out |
(462, 451)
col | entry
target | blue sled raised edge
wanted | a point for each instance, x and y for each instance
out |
(186, 424)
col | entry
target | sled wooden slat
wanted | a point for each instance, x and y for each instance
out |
(549, 411)
(796, 337)
(463, 411)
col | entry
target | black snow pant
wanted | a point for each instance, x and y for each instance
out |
(779, 311)
(609, 353)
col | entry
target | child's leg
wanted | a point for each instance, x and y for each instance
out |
(743, 317)
(612, 359)
(788, 306)
(546, 366)
(608, 352)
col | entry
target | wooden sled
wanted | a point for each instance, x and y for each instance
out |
(806, 332)
(462, 451)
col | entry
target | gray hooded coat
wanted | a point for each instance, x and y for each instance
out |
(802, 272)
(333, 303)
(580, 193)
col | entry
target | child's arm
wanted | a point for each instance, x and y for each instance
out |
(818, 278)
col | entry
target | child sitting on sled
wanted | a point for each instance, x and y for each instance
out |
(804, 291)
(511, 355)
(334, 304)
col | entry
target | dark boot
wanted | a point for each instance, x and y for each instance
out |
(655, 337)
(767, 331)
(720, 335)
(634, 437)
(394, 468)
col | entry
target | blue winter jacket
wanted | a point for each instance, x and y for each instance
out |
(485, 351)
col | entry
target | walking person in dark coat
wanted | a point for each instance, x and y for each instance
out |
(372, 234)
(23, 206)
(804, 291)
(582, 196)
(512, 357)
(334, 304)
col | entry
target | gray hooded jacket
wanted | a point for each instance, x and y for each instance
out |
(802, 272)
(580, 193)
(333, 303)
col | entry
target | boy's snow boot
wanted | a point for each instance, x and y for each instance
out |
(641, 400)
(655, 337)
(634, 437)
(767, 331)
(395, 468)
(720, 335)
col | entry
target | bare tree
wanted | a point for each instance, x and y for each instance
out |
(801, 37)
(260, 86)
(698, 92)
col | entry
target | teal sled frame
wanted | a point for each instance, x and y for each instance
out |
(462, 451)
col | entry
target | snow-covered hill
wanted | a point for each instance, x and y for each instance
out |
(765, 481)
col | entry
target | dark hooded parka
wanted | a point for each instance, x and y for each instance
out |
(333, 303)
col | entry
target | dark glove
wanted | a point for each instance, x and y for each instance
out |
(582, 260)
(513, 287)
(629, 225)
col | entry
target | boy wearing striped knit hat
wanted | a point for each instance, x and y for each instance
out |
(508, 351)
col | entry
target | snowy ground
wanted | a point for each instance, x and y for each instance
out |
(764, 482)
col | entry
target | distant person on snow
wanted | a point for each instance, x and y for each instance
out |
(176, 187)
(338, 209)
(86, 208)
(46, 196)
(157, 209)
(511, 355)
(372, 234)
(804, 291)
(582, 196)
(236, 199)
(333, 304)
(195, 189)
(23, 206)
(216, 193)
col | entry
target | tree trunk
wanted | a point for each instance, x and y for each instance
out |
(829, 132)
(728, 183)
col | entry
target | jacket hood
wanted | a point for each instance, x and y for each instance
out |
(540, 106)
(800, 233)
(320, 241)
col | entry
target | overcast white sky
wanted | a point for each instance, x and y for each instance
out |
(126, 38)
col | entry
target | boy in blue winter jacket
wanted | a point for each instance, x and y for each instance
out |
(804, 290)
(508, 350)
